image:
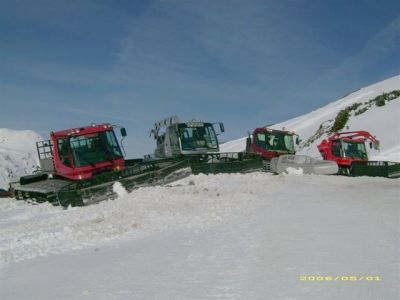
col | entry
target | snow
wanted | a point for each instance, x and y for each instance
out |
(380, 121)
(294, 171)
(227, 236)
(387, 125)
(119, 189)
(18, 155)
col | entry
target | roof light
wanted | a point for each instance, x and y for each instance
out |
(93, 124)
(73, 131)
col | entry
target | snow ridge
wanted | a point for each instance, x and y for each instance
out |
(380, 121)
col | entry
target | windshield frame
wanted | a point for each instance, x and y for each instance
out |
(99, 147)
(279, 139)
(189, 136)
(361, 150)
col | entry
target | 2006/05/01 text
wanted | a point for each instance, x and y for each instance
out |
(340, 278)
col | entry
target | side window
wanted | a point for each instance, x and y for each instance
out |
(261, 142)
(63, 151)
(112, 143)
(336, 149)
(261, 137)
(210, 137)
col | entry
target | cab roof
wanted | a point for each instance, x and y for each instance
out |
(263, 129)
(94, 128)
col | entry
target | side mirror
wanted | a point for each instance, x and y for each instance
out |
(123, 132)
(221, 127)
(297, 141)
(248, 144)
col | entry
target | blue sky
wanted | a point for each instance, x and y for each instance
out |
(246, 63)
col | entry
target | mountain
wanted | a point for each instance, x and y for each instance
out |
(374, 108)
(18, 155)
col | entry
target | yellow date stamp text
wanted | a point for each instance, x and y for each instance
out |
(339, 278)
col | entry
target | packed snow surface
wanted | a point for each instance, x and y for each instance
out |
(381, 121)
(18, 155)
(209, 237)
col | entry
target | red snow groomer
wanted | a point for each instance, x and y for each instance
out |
(347, 147)
(349, 150)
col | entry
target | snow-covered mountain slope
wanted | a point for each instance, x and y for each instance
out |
(381, 121)
(18, 155)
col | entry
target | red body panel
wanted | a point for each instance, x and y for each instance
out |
(84, 172)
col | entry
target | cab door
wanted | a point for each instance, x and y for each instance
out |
(63, 159)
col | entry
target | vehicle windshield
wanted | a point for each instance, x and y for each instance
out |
(95, 148)
(354, 149)
(197, 135)
(275, 141)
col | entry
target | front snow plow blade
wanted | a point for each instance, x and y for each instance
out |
(376, 169)
(137, 173)
(230, 162)
(303, 163)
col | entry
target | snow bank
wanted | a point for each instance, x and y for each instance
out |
(29, 231)
(18, 155)
(209, 237)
